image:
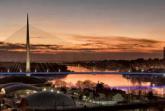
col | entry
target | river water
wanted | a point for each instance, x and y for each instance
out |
(118, 81)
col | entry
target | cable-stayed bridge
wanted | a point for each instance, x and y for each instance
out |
(46, 69)
(49, 74)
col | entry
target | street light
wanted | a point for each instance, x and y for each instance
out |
(44, 89)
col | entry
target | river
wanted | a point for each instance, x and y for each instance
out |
(116, 81)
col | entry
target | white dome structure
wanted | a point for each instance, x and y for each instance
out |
(12, 87)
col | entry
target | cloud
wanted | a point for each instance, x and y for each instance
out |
(114, 43)
(86, 48)
(45, 42)
(93, 43)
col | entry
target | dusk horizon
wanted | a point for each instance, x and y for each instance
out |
(82, 55)
(121, 29)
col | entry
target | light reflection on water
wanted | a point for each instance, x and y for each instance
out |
(83, 69)
(112, 80)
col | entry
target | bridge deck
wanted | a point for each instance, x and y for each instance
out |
(66, 73)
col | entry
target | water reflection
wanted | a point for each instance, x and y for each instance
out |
(111, 80)
(135, 84)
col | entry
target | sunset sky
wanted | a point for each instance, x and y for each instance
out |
(100, 26)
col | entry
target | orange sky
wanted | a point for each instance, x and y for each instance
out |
(135, 19)
(97, 25)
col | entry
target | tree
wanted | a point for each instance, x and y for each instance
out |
(60, 83)
(99, 87)
(79, 84)
(88, 84)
